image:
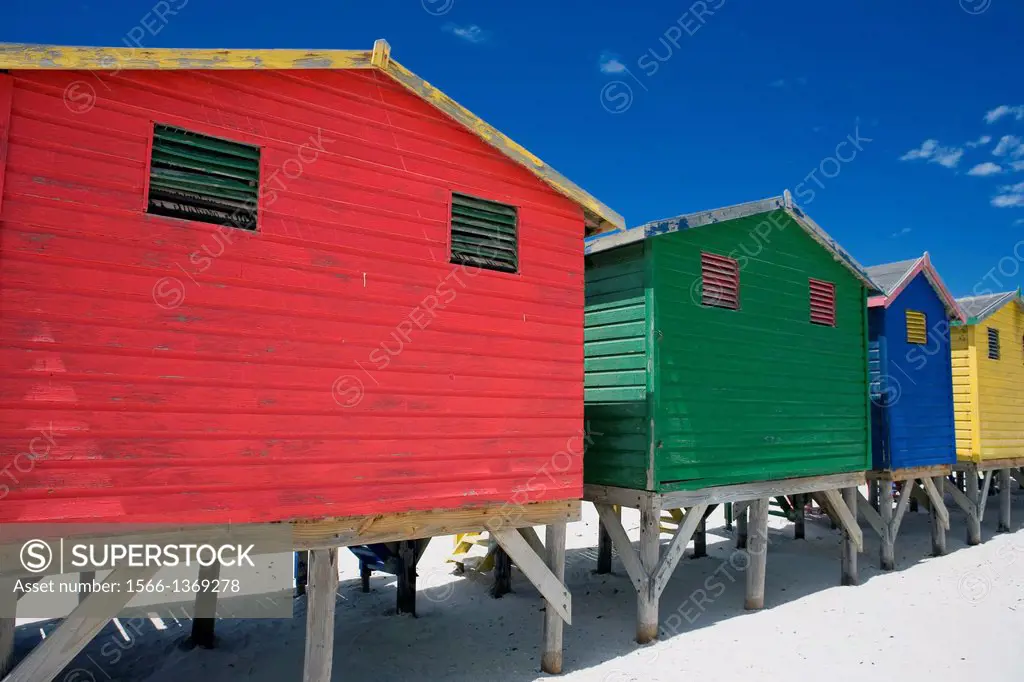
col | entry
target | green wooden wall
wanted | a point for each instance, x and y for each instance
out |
(734, 396)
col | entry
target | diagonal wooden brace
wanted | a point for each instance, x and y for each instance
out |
(534, 568)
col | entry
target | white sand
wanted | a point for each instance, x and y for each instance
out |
(959, 616)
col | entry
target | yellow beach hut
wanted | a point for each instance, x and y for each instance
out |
(988, 400)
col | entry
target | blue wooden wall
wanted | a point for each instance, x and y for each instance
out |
(912, 384)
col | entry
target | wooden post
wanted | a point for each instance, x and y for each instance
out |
(647, 601)
(502, 573)
(406, 563)
(8, 612)
(799, 503)
(700, 539)
(604, 546)
(757, 553)
(741, 529)
(974, 520)
(365, 572)
(885, 502)
(938, 529)
(551, 656)
(323, 586)
(873, 486)
(960, 481)
(849, 551)
(1004, 500)
(204, 618)
(301, 572)
(728, 515)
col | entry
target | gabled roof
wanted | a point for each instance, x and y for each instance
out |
(893, 278)
(978, 308)
(26, 56)
(689, 221)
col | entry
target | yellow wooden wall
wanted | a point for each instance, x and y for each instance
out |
(964, 405)
(1001, 385)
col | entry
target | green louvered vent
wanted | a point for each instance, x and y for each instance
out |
(484, 233)
(203, 178)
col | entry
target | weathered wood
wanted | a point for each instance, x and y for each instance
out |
(906, 496)
(741, 527)
(205, 617)
(622, 497)
(841, 512)
(536, 571)
(872, 492)
(886, 549)
(503, 572)
(740, 507)
(700, 538)
(757, 490)
(533, 540)
(627, 555)
(8, 621)
(991, 464)
(940, 517)
(974, 519)
(302, 573)
(799, 504)
(851, 544)
(983, 495)
(365, 572)
(757, 553)
(1004, 501)
(676, 547)
(551, 656)
(604, 545)
(46, 661)
(909, 473)
(320, 604)
(933, 488)
(406, 584)
(647, 598)
(869, 513)
(85, 578)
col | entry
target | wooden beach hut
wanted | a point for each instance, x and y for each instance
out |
(988, 397)
(284, 286)
(913, 438)
(726, 362)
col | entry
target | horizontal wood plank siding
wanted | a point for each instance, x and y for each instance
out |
(1001, 386)
(965, 409)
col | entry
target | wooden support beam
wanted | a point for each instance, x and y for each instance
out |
(551, 656)
(533, 540)
(205, 617)
(799, 504)
(940, 517)
(873, 485)
(302, 573)
(322, 588)
(1004, 501)
(536, 570)
(647, 599)
(852, 542)
(869, 513)
(676, 547)
(757, 553)
(887, 547)
(365, 572)
(751, 491)
(406, 567)
(50, 657)
(933, 488)
(906, 497)
(741, 526)
(700, 538)
(502, 584)
(8, 620)
(974, 518)
(612, 522)
(841, 514)
(604, 545)
(983, 495)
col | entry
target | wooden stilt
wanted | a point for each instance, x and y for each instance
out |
(502, 574)
(728, 515)
(938, 525)
(799, 504)
(885, 511)
(700, 539)
(406, 565)
(647, 601)
(973, 520)
(849, 550)
(204, 619)
(323, 586)
(8, 612)
(757, 552)
(741, 529)
(1004, 500)
(301, 572)
(873, 486)
(551, 656)
(604, 546)
(365, 572)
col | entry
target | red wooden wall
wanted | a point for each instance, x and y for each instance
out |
(164, 370)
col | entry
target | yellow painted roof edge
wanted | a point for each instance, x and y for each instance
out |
(26, 56)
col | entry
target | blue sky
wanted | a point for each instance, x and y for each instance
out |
(662, 108)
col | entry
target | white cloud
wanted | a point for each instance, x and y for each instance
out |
(470, 33)
(780, 83)
(1010, 196)
(933, 152)
(901, 232)
(1019, 221)
(981, 141)
(926, 150)
(1009, 144)
(987, 168)
(1005, 110)
(1017, 165)
(610, 63)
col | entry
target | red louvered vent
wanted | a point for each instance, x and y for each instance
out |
(823, 303)
(720, 281)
